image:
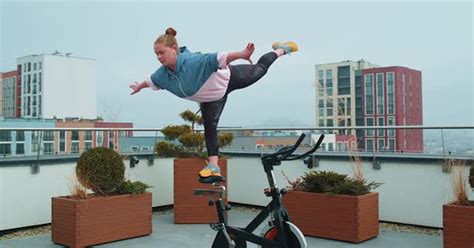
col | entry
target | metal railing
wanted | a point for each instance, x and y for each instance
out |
(437, 140)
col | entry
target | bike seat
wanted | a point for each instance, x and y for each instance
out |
(212, 179)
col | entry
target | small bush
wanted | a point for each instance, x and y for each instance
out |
(135, 188)
(101, 170)
(333, 183)
(165, 149)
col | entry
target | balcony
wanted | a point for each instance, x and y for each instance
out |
(415, 186)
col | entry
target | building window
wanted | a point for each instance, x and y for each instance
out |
(48, 136)
(321, 122)
(39, 81)
(34, 66)
(341, 146)
(348, 106)
(20, 136)
(39, 105)
(391, 144)
(329, 91)
(369, 122)
(329, 112)
(35, 137)
(5, 136)
(328, 74)
(48, 142)
(40, 65)
(380, 122)
(330, 123)
(390, 93)
(20, 148)
(369, 94)
(111, 140)
(99, 139)
(134, 148)
(320, 91)
(369, 144)
(87, 140)
(75, 147)
(341, 108)
(62, 141)
(381, 145)
(321, 103)
(5, 149)
(391, 122)
(145, 148)
(380, 93)
(5, 143)
(330, 147)
(321, 74)
(329, 83)
(321, 112)
(75, 142)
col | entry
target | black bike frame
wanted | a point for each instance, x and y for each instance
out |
(280, 216)
(275, 207)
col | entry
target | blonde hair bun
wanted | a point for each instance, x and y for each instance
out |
(170, 31)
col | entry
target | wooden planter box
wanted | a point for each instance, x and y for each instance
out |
(96, 220)
(458, 226)
(340, 217)
(189, 208)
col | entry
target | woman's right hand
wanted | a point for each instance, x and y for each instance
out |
(135, 87)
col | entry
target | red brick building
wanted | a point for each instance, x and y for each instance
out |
(392, 96)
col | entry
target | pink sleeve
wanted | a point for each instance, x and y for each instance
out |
(222, 59)
(151, 84)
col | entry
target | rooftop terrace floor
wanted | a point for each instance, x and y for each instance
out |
(166, 234)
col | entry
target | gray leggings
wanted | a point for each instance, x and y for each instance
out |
(241, 76)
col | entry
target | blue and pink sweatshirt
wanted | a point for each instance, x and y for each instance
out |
(198, 77)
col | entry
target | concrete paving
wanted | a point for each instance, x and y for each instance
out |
(166, 234)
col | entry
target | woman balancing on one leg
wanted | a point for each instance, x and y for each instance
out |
(207, 79)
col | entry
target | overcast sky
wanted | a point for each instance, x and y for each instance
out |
(433, 37)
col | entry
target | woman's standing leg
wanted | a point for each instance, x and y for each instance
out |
(211, 112)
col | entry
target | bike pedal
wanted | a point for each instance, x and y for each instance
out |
(267, 192)
(216, 226)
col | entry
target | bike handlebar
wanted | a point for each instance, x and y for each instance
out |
(315, 147)
(285, 153)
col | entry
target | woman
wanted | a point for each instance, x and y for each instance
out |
(207, 79)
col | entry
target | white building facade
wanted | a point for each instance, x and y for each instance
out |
(336, 93)
(56, 85)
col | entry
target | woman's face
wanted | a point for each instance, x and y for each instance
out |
(166, 55)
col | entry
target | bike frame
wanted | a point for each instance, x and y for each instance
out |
(274, 208)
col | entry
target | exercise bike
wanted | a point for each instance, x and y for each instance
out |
(279, 231)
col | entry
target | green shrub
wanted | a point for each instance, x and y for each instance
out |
(333, 183)
(101, 170)
(166, 149)
(128, 187)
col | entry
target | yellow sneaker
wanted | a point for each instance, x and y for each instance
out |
(288, 47)
(211, 174)
(210, 170)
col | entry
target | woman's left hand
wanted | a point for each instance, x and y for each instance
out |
(248, 51)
